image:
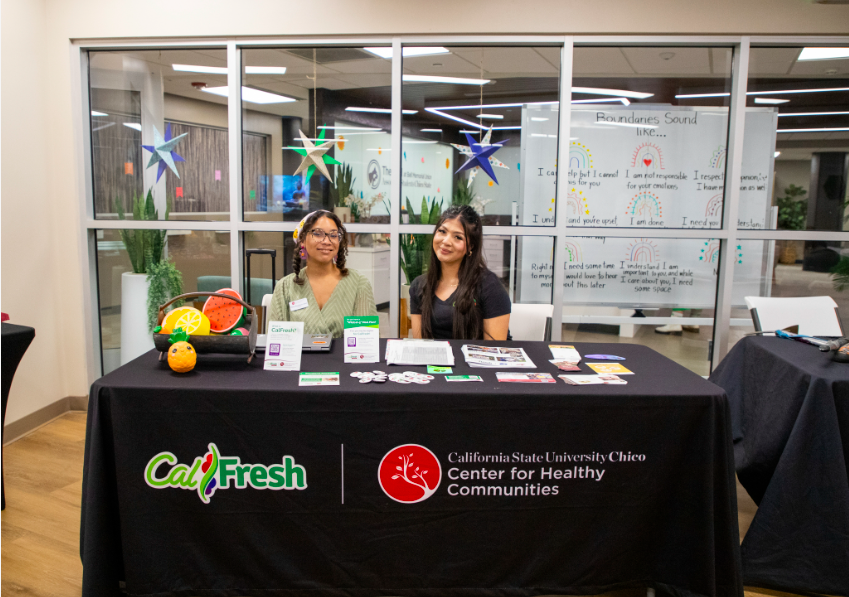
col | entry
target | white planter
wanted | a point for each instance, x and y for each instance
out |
(135, 339)
(343, 213)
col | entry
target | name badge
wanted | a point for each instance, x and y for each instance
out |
(298, 304)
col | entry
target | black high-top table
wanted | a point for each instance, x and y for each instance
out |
(16, 340)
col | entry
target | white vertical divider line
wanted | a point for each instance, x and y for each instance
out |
(395, 193)
(342, 456)
(234, 127)
(561, 228)
(87, 245)
(734, 168)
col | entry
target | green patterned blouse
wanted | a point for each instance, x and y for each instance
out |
(352, 296)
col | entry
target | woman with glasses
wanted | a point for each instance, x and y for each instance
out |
(459, 297)
(322, 291)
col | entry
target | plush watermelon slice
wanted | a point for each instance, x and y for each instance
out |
(223, 314)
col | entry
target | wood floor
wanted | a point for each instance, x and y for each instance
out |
(41, 522)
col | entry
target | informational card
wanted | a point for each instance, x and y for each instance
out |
(283, 345)
(611, 368)
(564, 352)
(362, 339)
(318, 379)
(589, 380)
(419, 352)
(496, 356)
(434, 370)
(463, 378)
(525, 377)
(564, 365)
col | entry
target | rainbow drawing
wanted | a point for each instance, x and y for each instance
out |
(573, 252)
(647, 155)
(576, 203)
(718, 159)
(580, 156)
(646, 205)
(642, 250)
(714, 206)
(208, 483)
(710, 252)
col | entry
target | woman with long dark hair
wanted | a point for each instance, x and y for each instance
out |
(459, 297)
(322, 291)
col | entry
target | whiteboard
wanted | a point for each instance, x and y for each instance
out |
(652, 167)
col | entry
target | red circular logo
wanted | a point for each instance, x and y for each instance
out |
(409, 473)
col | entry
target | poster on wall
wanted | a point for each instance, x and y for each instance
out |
(652, 167)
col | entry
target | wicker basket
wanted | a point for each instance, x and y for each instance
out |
(212, 344)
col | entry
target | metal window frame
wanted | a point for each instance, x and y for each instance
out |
(235, 225)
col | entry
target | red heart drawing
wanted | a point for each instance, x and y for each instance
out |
(647, 161)
(207, 464)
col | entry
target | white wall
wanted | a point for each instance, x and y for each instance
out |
(41, 238)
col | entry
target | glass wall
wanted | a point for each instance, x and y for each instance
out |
(159, 127)
(643, 185)
(201, 257)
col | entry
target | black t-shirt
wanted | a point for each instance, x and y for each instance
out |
(491, 296)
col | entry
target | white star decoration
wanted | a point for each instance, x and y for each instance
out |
(314, 155)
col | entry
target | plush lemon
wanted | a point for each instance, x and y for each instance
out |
(190, 319)
(182, 357)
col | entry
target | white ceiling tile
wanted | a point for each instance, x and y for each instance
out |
(684, 62)
(506, 60)
(771, 62)
(600, 61)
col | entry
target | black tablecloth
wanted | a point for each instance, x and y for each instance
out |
(663, 514)
(16, 340)
(790, 418)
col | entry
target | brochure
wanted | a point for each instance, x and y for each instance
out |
(525, 377)
(318, 379)
(463, 378)
(419, 352)
(432, 370)
(604, 357)
(362, 340)
(283, 349)
(564, 352)
(564, 365)
(612, 368)
(588, 380)
(496, 357)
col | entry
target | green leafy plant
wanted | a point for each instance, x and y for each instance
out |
(840, 274)
(166, 282)
(462, 193)
(343, 185)
(792, 209)
(144, 247)
(415, 248)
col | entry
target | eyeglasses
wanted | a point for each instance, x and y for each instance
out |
(319, 234)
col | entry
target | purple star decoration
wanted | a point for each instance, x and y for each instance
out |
(163, 151)
(480, 156)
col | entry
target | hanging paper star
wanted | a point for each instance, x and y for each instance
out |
(468, 151)
(314, 157)
(163, 151)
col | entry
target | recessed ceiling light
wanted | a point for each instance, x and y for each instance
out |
(830, 130)
(537, 119)
(490, 116)
(350, 128)
(378, 110)
(408, 51)
(770, 100)
(823, 54)
(776, 154)
(812, 114)
(249, 94)
(96, 113)
(431, 130)
(780, 92)
(192, 68)
(618, 92)
(425, 142)
(447, 80)
(265, 70)
(623, 100)
(133, 125)
(471, 132)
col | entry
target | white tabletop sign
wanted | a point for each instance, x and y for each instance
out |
(283, 346)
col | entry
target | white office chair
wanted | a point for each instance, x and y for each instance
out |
(815, 315)
(266, 304)
(528, 321)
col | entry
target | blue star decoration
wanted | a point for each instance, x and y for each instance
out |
(480, 156)
(163, 151)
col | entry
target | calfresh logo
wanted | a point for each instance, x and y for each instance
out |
(211, 472)
(279, 329)
(409, 473)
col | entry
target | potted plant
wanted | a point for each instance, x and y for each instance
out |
(792, 215)
(151, 283)
(342, 194)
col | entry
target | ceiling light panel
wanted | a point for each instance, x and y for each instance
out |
(408, 51)
(823, 54)
(251, 95)
(445, 80)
